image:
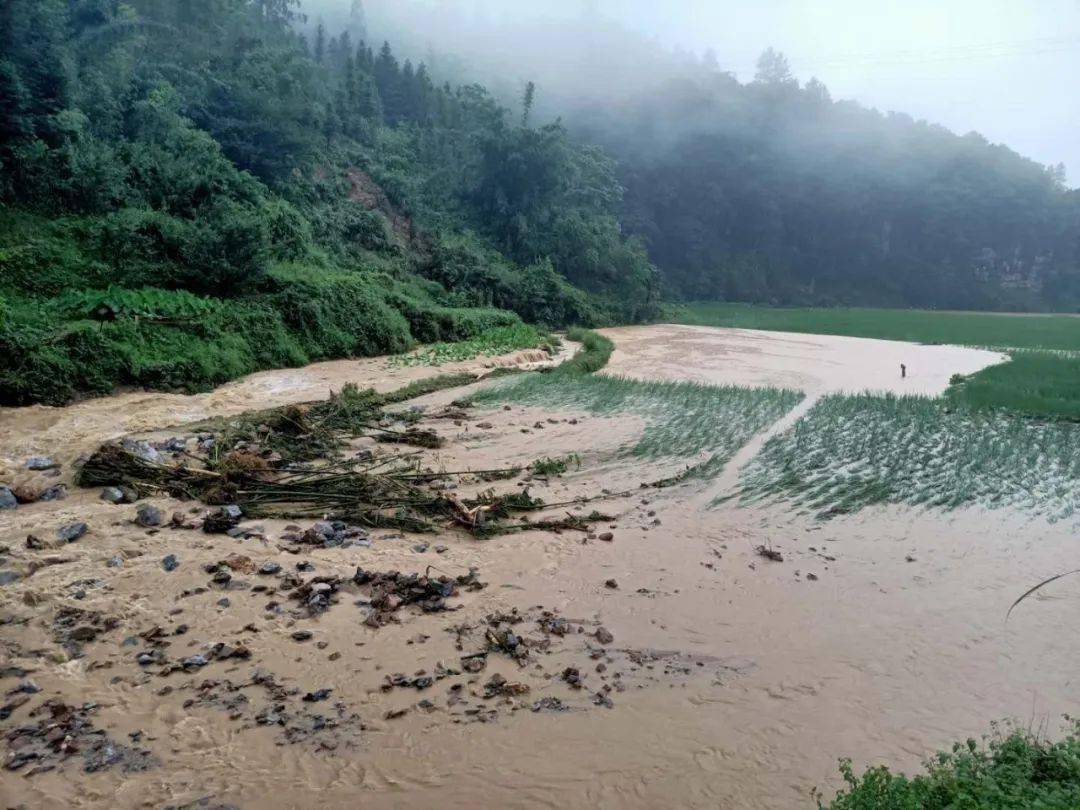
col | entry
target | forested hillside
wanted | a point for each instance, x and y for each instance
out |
(195, 189)
(769, 191)
(765, 188)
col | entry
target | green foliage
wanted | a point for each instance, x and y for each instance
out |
(552, 467)
(1033, 383)
(491, 343)
(1014, 771)
(594, 355)
(337, 314)
(148, 303)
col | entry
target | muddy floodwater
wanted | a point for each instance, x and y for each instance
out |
(673, 666)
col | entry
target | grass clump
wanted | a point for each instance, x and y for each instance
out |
(594, 355)
(850, 452)
(1032, 383)
(1012, 771)
(552, 467)
(490, 343)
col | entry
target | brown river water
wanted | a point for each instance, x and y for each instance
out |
(738, 682)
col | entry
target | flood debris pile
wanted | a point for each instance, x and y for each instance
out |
(539, 645)
(262, 700)
(391, 591)
(289, 463)
(59, 732)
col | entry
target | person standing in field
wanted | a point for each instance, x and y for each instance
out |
(903, 372)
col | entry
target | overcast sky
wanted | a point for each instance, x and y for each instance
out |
(1009, 69)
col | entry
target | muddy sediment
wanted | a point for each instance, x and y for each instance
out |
(284, 659)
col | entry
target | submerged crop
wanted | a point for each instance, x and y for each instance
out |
(850, 452)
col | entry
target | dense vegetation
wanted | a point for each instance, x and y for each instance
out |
(1015, 771)
(193, 190)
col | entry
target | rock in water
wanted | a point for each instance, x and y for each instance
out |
(72, 532)
(7, 499)
(7, 577)
(149, 516)
(170, 563)
(222, 519)
(112, 495)
(41, 463)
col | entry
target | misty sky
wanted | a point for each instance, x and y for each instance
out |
(1008, 69)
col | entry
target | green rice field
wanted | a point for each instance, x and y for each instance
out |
(850, 452)
(683, 420)
(1042, 379)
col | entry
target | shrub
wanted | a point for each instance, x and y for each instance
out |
(337, 314)
(1014, 771)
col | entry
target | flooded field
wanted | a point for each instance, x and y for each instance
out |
(656, 658)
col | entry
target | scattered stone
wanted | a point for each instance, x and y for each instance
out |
(607, 537)
(116, 561)
(72, 532)
(7, 498)
(41, 463)
(549, 704)
(149, 516)
(812, 577)
(269, 569)
(26, 493)
(474, 663)
(317, 696)
(170, 563)
(57, 492)
(222, 519)
(142, 450)
(302, 635)
(572, 676)
(113, 495)
(612, 584)
(72, 627)
(7, 577)
(239, 563)
(498, 686)
(35, 543)
(604, 636)
(441, 549)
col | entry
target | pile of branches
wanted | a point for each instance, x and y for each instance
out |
(261, 463)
